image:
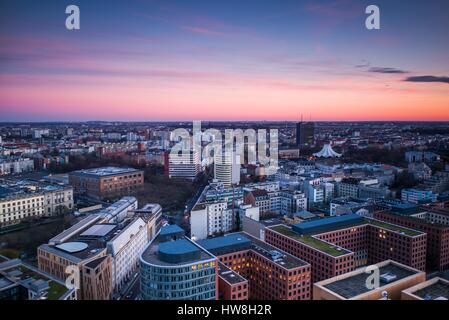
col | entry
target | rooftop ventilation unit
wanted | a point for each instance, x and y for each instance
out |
(388, 277)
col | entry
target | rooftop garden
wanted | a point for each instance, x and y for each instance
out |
(310, 241)
(393, 227)
(55, 291)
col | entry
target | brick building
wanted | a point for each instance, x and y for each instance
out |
(338, 245)
(271, 273)
(107, 182)
(231, 285)
(437, 233)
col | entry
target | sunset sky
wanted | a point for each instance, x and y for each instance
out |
(224, 60)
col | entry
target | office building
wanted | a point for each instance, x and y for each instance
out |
(421, 156)
(107, 182)
(348, 187)
(416, 195)
(426, 219)
(104, 246)
(173, 267)
(337, 245)
(433, 289)
(271, 273)
(305, 134)
(231, 285)
(227, 169)
(394, 278)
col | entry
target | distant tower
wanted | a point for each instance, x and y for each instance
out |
(305, 133)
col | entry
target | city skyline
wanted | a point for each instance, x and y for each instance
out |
(203, 60)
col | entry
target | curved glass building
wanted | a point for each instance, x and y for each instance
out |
(174, 267)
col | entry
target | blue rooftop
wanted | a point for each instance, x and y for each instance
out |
(325, 224)
(221, 245)
(404, 205)
(178, 251)
(171, 229)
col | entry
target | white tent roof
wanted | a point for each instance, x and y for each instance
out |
(327, 152)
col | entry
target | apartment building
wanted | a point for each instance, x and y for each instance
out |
(282, 202)
(211, 218)
(15, 165)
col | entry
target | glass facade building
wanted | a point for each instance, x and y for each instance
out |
(195, 281)
(175, 268)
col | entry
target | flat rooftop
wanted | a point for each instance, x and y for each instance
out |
(22, 188)
(15, 271)
(171, 229)
(229, 275)
(271, 222)
(230, 243)
(104, 171)
(242, 241)
(324, 224)
(440, 289)
(84, 240)
(174, 253)
(355, 285)
(393, 227)
(346, 221)
(317, 244)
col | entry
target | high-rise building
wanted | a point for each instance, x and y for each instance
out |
(184, 165)
(227, 169)
(305, 134)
